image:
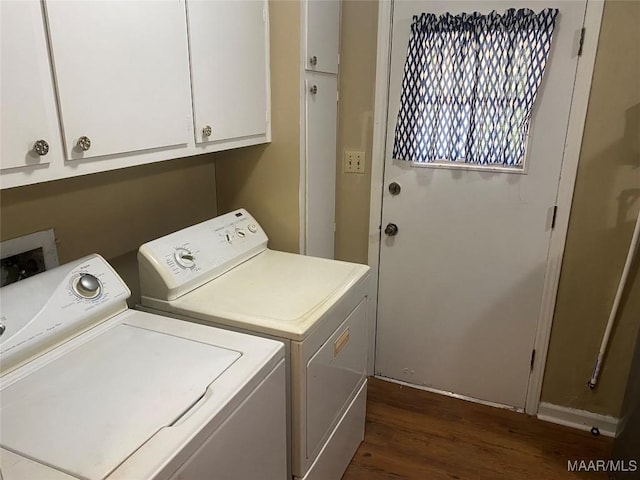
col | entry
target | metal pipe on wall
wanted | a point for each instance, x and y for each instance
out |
(616, 304)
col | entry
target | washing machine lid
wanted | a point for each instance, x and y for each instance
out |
(277, 293)
(87, 410)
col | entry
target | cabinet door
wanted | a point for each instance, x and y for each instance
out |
(229, 45)
(122, 74)
(323, 35)
(28, 103)
(321, 114)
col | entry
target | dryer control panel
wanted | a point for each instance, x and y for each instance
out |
(173, 265)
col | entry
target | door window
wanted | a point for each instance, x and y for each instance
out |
(469, 85)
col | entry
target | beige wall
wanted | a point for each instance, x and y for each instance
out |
(355, 126)
(113, 213)
(605, 204)
(265, 179)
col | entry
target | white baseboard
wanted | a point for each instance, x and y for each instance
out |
(580, 419)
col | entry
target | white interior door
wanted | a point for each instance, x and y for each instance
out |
(461, 282)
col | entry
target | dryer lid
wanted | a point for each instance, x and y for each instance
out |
(88, 410)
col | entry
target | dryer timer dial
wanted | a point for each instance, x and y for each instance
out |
(185, 258)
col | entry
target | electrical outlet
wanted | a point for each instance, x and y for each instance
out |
(353, 162)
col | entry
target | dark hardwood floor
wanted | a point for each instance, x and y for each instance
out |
(413, 434)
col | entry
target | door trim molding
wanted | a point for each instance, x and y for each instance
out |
(380, 111)
(568, 172)
(573, 142)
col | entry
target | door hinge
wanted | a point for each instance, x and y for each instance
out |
(581, 41)
(553, 217)
(533, 359)
(337, 95)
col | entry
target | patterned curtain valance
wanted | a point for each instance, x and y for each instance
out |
(469, 84)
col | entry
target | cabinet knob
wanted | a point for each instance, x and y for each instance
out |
(313, 61)
(84, 143)
(314, 89)
(207, 130)
(41, 147)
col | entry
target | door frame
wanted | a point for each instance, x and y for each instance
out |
(573, 142)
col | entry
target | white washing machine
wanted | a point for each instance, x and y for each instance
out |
(92, 390)
(220, 272)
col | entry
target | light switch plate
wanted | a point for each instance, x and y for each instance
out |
(353, 161)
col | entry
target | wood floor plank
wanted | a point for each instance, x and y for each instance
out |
(413, 434)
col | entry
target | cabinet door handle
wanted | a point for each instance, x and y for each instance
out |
(313, 61)
(207, 130)
(41, 147)
(314, 89)
(84, 143)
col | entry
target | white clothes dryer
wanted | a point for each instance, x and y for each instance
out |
(92, 390)
(220, 272)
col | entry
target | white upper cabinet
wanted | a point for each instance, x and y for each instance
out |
(30, 132)
(321, 40)
(229, 48)
(323, 33)
(111, 79)
(321, 113)
(122, 75)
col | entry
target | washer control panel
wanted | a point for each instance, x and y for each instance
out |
(181, 261)
(47, 308)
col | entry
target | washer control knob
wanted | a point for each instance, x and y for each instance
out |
(87, 286)
(253, 228)
(240, 233)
